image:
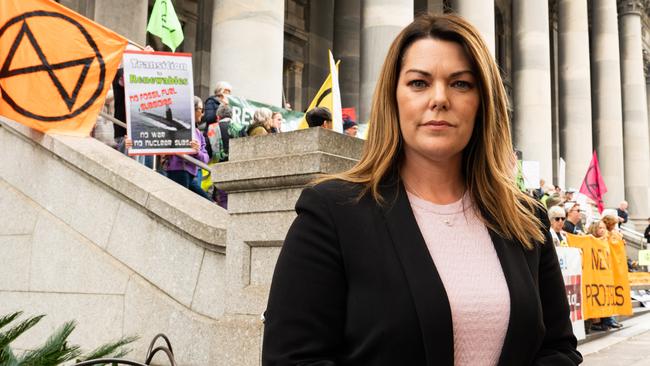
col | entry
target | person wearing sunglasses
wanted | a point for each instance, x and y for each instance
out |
(573, 222)
(557, 217)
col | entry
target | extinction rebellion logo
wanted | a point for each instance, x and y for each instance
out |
(66, 77)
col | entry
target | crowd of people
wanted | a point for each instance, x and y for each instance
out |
(567, 216)
(215, 127)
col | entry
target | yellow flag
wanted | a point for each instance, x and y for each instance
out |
(328, 96)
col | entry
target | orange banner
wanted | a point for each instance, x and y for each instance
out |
(605, 284)
(55, 66)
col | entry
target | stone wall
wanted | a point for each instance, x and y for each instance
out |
(90, 235)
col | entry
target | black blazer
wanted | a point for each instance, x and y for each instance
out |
(355, 285)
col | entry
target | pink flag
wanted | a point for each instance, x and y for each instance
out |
(593, 185)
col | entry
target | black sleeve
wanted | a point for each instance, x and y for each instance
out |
(559, 346)
(304, 319)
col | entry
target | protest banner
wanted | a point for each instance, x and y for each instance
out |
(571, 265)
(644, 257)
(55, 66)
(605, 284)
(243, 110)
(159, 107)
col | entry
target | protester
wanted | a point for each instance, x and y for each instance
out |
(646, 233)
(195, 185)
(319, 117)
(557, 216)
(221, 93)
(599, 230)
(553, 200)
(610, 221)
(568, 195)
(183, 172)
(262, 122)
(539, 192)
(621, 212)
(350, 128)
(424, 252)
(276, 123)
(573, 223)
(104, 130)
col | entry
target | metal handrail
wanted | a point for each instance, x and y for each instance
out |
(188, 158)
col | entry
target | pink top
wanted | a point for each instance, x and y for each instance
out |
(467, 263)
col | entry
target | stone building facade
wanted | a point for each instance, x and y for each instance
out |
(576, 71)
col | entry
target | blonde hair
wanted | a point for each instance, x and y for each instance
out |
(487, 159)
(593, 228)
(610, 222)
(262, 115)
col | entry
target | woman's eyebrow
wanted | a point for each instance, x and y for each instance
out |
(452, 75)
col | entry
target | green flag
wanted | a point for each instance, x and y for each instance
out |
(164, 24)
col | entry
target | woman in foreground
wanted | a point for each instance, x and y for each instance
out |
(424, 253)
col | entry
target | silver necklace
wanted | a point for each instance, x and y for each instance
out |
(446, 221)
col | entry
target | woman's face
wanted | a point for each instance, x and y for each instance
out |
(198, 113)
(557, 223)
(437, 100)
(602, 230)
(277, 120)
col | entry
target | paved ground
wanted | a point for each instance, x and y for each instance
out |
(629, 346)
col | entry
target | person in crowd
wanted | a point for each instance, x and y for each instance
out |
(568, 195)
(424, 252)
(183, 172)
(553, 200)
(557, 216)
(319, 117)
(622, 213)
(610, 221)
(539, 192)
(573, 222)
(558, 190)
(262, 122)
(350, 128)
(276, 122)
(195, 185)
(104, 130)
(221, 93)
(646, 233)
(599, 230)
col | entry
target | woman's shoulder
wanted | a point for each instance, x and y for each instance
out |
(337, 189)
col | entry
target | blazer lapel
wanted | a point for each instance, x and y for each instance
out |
(521, 336)
(427, 289)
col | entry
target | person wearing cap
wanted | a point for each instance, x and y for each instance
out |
(350, 127)
(557, 216)
(573, 222)
(319, 117)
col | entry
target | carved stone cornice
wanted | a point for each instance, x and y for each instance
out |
(631, 7)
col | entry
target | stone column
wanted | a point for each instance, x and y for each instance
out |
(436, 6)
(635, 109)
(247, 48)
(201, 54)
(575, 89)
(347, 48)
(321, 35)
(532, 84)
(381, 21)
(606, 98)
(481, 14)
(126, 17)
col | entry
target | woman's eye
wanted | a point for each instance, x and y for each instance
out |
(462, 84)
(417, 84)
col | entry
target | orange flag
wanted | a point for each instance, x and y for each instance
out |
(55, 66)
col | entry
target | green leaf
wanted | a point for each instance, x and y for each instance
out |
(9, 318)
(112, 349)
(7, 337)
(55, 350)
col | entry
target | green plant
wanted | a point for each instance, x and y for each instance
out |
(56, 350)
